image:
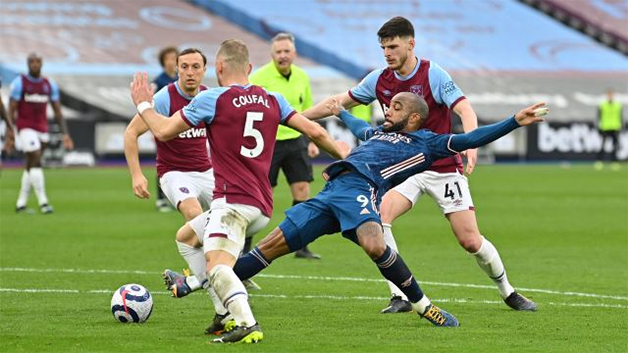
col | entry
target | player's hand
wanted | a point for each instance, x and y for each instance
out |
(312, 150)
(68, 144)
(472, 158)
(141, 90)
(532, 114)
(9, 142)
(335, 107)
(140, 187)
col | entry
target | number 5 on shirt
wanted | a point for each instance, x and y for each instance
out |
(251, 131)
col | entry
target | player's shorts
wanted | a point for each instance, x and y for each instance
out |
(225, 226)
(449, 190)
(30, 140)
(291, 157)
(178, 186)
(344, 204)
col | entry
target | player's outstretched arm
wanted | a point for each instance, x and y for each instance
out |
(319, 136)
(135, 129)
(320, 111)
(360, 128)
(163, 128)
(489, 133)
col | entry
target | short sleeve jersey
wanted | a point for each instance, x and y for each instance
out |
(242, 126)
(33, 96)
(188, 151)
(428, 80)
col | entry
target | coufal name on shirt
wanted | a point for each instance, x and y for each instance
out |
(36, 98)
(391, 137)
(193, 133)
(249, 99)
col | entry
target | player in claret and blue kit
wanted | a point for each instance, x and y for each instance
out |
(241, 121)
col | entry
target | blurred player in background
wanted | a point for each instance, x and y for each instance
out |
(610, 123)
(292, 150)
(7, 134)
(350, 200)
(444, 181)
(242, 121)
(30, 95)
(183, 164)
(168, 61)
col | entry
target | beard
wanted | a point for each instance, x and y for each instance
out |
(402, 60)
(398, 126)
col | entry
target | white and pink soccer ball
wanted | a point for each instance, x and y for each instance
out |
(132, 303)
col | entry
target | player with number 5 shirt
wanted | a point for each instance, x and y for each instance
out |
(242, 121)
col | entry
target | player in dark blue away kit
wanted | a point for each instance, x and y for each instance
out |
(349, 202)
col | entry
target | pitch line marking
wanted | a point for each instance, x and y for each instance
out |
(319, 278)
(329, 297)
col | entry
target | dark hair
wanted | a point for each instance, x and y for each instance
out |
(396, 27)
(165, 51)
(34, 56)
(192, 51)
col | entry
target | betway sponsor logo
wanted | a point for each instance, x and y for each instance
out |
(576, 138)
(193, 133)
(36, 98)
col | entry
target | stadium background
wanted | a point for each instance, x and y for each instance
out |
(561, 228)
(504, 54)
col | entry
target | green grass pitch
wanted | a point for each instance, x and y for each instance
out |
(561, 231)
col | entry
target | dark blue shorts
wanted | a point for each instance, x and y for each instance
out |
(344, 204)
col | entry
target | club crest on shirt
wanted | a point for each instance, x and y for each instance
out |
(387, 92)
(184, 190)
(417, 89)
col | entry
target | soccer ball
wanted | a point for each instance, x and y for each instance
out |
(131, 303)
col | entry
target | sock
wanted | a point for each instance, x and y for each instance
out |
(247, 245)
(394, 269)
(36, 176)
(390, 241)
(197, 263)
(233, 294)
(250, 264)
(421, 306)
(24, 190)
(218, 307)
(490, 262)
